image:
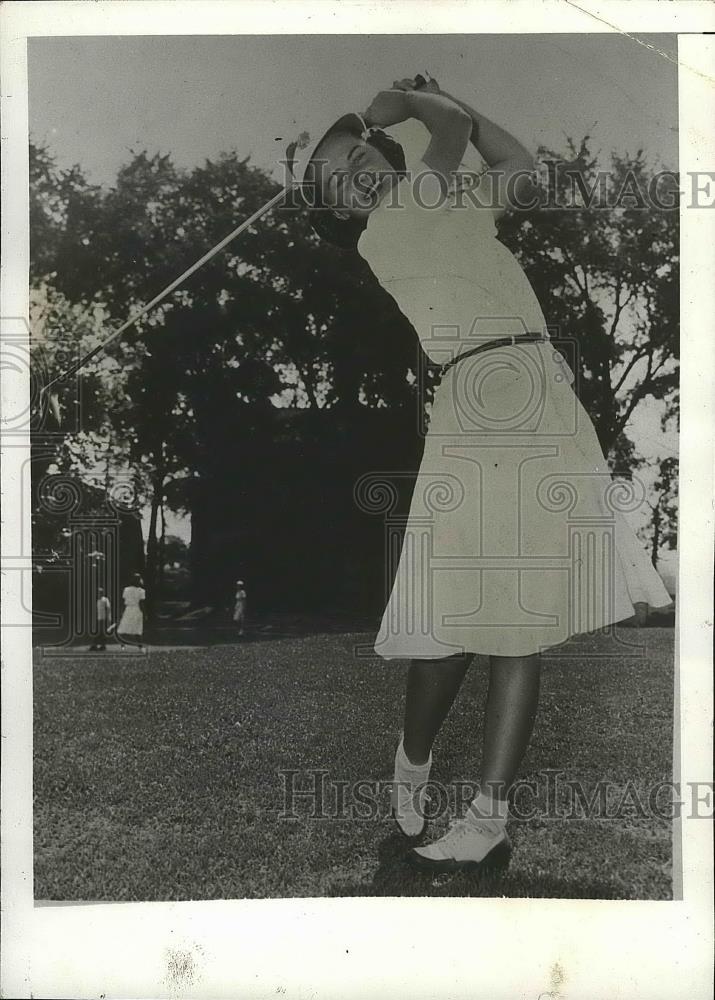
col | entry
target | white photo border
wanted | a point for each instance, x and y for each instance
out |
(371, 947)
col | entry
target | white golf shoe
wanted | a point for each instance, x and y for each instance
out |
(409, 794)
(469, 845)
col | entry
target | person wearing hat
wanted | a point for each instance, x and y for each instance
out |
(363, 150)
(487, 564)
(239, 606)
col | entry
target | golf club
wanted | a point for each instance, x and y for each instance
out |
(73, 369)
(420, 80)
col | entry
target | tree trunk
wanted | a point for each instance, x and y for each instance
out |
(162, 550)
(152, 549)
(203, 520)
(655, 545)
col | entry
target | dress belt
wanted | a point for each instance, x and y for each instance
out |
(524, 338)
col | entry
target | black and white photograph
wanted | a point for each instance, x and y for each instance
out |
(351, 558)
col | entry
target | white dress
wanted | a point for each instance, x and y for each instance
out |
(132, 621)
(516, 537)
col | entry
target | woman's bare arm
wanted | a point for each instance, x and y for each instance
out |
(510, 163)
(494, 143)
(449, 132)
(449, 125)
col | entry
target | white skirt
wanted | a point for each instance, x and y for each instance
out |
(516, 537)
(132, 622)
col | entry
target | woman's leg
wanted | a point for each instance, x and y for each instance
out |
(480, 838)
(432, 686)
(509, 717)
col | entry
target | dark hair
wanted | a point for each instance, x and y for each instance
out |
(390, 149)
(341, 233)
(345, 233)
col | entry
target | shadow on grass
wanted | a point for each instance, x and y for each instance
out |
(396, 877)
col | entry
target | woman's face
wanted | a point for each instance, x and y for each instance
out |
(350, 175)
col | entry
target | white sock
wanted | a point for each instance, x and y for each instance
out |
(484, 807)
(405, 764)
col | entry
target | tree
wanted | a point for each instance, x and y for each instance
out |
(63, 213)
(275, 321)
(663, 503)
(176, 552)
(250, 379)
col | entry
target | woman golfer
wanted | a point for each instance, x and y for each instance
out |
(516, 538)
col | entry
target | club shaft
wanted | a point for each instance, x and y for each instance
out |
(170, 288)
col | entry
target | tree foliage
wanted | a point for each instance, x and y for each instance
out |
(661, 530)
(283, 345)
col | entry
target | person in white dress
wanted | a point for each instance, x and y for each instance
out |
(516, 538)
(131, 625)
(239, 607)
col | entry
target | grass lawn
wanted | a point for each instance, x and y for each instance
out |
(158, 777)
